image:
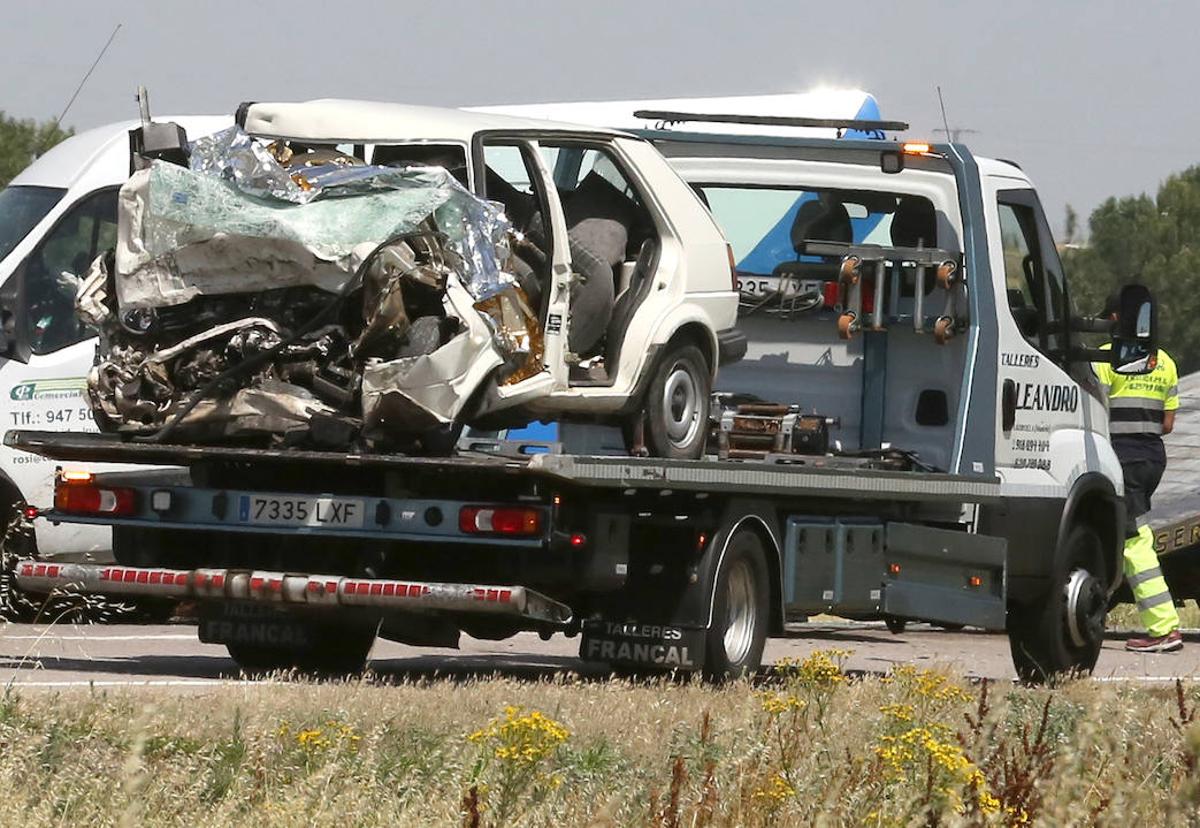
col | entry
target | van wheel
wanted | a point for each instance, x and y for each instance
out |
(677, 403)
(733, 645)
(337, 650)
(1062, 633)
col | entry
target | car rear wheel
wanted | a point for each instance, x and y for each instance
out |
(677, 404)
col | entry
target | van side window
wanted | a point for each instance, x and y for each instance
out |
(58, 264)
(1033, 274)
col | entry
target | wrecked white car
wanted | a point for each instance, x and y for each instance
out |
(350, 274)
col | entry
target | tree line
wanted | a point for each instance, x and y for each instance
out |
(23, 140)
(1150, 240)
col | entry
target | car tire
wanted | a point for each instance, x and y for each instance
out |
(333, 650)
(1062, 632)
(733, 645)
(896, 626)
(677, 404)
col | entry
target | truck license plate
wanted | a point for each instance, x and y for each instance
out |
(292, 510)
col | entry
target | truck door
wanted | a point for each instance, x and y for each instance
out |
(48, 392)
(1048, 411)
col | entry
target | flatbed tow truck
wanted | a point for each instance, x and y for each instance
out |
(968, 478)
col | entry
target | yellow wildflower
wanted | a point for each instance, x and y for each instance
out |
(522, 738)
(775, 791)
(777, 704)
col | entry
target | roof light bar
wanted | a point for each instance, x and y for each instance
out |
(769, 120)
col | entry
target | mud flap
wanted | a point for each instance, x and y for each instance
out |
(656, 646)
(255, 625)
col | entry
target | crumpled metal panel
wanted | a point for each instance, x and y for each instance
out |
(416, 393)
(253, 237)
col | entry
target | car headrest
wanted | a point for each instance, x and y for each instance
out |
(819, 220)
(597, 197)
(914, 221)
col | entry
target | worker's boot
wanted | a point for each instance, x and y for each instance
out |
(1168, 643)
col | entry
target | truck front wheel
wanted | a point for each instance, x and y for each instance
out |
(1063, 631)
(738, 632)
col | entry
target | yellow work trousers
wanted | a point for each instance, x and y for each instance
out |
(1154, 602)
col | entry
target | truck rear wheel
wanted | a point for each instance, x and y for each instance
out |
(735, 639)
(331, 650)
(1063, 632)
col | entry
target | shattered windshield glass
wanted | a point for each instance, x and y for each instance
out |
(21, 208)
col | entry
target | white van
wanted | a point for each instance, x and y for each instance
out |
(55, 217)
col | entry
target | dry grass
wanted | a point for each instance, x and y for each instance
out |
(811, 747)
(1125, 617)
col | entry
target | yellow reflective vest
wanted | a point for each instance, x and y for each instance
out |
(1137, 402)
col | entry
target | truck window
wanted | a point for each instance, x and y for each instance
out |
(56, 266)
(1032, 273)
(766, 226)
(21, 208)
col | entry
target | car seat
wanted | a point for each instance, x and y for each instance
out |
(627, 303)
(599, 220)
(821, 220)
(914, 223)
(816, 220)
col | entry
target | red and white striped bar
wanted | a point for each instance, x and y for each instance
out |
(290, 588)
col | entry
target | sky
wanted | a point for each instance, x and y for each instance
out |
(1092, 98)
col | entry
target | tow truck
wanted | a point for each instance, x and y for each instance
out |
(914, 434)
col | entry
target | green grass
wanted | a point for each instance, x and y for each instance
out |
(811, 746)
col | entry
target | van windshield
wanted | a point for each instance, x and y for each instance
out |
(21, 208)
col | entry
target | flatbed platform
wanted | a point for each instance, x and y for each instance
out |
(795, 476)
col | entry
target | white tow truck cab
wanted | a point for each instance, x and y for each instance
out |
(55, 218)
(911, 435)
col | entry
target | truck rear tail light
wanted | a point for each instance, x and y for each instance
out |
(88, 498)
(512, 521)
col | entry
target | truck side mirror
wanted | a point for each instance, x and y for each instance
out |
(14, 344)
(1135, 338)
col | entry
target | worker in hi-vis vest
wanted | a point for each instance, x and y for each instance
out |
(1141, 409)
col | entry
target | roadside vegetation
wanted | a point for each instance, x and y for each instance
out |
(1125, 617)
(810, 745)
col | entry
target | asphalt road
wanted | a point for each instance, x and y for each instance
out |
(123, 655)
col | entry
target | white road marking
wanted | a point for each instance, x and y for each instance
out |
(16, 682)
(1147, 679)
(51, 637)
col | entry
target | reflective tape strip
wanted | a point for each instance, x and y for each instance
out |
(1141, 427)
(1155, 601)
(1137, 579)
(1152, 403)
(1173, 391)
